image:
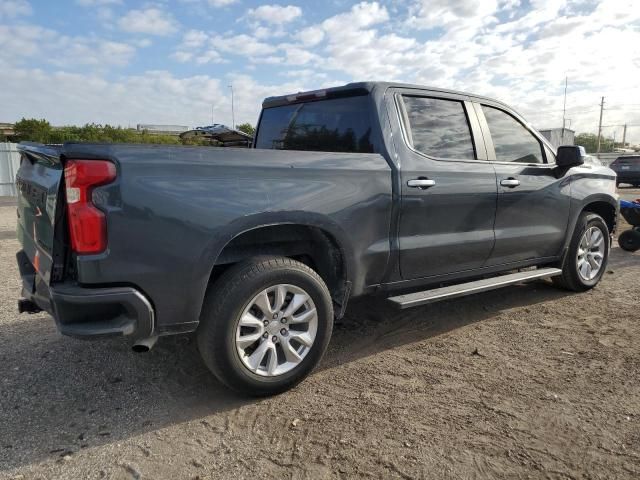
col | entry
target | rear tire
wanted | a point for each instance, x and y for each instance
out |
(586, 260)
(253, 337)
(629, 240)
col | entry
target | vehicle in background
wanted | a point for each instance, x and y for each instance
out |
(409, 193)
(628, 170)
(219, 135)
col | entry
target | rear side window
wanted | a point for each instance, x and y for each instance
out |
(334, 125)
(511, 140)
(439, 128)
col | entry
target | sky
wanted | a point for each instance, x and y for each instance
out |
(173, 62)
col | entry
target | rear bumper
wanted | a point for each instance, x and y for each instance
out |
(89, 312)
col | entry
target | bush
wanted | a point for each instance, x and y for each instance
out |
(41, 131)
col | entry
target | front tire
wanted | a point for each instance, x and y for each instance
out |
(265, 325)
(586, 259)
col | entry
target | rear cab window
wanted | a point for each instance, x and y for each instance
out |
(330, 125)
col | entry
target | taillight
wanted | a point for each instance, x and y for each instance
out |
(87, 224)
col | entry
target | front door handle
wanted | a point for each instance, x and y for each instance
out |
(421, 183)
(510, 182)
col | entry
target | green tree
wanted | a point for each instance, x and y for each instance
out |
(590, 142)
(32, 130)
(247, 128)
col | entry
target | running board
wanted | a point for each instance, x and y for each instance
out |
(453, 291)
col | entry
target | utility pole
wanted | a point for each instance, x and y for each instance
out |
(564, 108)
(624, 136)
(600, 124)
(233, 117)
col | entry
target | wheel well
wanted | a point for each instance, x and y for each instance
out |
(606, 211)
(310, 245)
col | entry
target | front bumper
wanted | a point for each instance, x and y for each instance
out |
(89, 312)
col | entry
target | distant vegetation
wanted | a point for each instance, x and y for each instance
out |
(41, 131)
(247, 128)
(590, 142)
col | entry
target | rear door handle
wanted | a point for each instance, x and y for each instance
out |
(510, 182)
(421, 183)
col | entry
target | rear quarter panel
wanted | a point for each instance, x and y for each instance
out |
(173, 209)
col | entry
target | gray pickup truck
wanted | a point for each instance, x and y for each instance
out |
(411, 193)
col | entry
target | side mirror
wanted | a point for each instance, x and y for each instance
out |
(570, 156)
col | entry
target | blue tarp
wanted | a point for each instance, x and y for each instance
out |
(627, 204)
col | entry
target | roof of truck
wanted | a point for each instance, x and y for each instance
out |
(357, 87)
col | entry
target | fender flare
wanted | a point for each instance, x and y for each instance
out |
(578, 208)
(247, 223)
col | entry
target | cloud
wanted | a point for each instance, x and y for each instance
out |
(96, 3)
(152, 97)
(152, 21)
(22, 43)
(438, 13)
(300, 56)
(310, 36)
(274, 14)
(195, 48)
(221, 3)
(242, 44)
(194, 39)
(14, 8)
(354, 46)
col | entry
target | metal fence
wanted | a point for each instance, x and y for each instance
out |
(9, 163)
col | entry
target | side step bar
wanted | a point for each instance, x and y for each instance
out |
(453, 291)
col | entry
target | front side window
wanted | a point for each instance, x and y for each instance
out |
(332, 125)
(511, 140)
(439, 128)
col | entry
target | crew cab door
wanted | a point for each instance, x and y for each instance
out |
(533, 203)
(448, 189)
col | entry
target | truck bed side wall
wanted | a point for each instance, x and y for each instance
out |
(172, 210)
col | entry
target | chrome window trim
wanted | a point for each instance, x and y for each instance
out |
(542, 141)
(399, 108)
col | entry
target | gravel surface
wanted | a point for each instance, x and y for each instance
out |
(524, 382)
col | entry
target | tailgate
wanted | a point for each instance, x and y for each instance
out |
(40, 210)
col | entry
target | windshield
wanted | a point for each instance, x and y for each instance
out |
(333, 125)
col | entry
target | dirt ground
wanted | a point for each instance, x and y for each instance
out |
(524, 382)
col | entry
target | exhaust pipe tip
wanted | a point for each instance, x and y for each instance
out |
(145, 344)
